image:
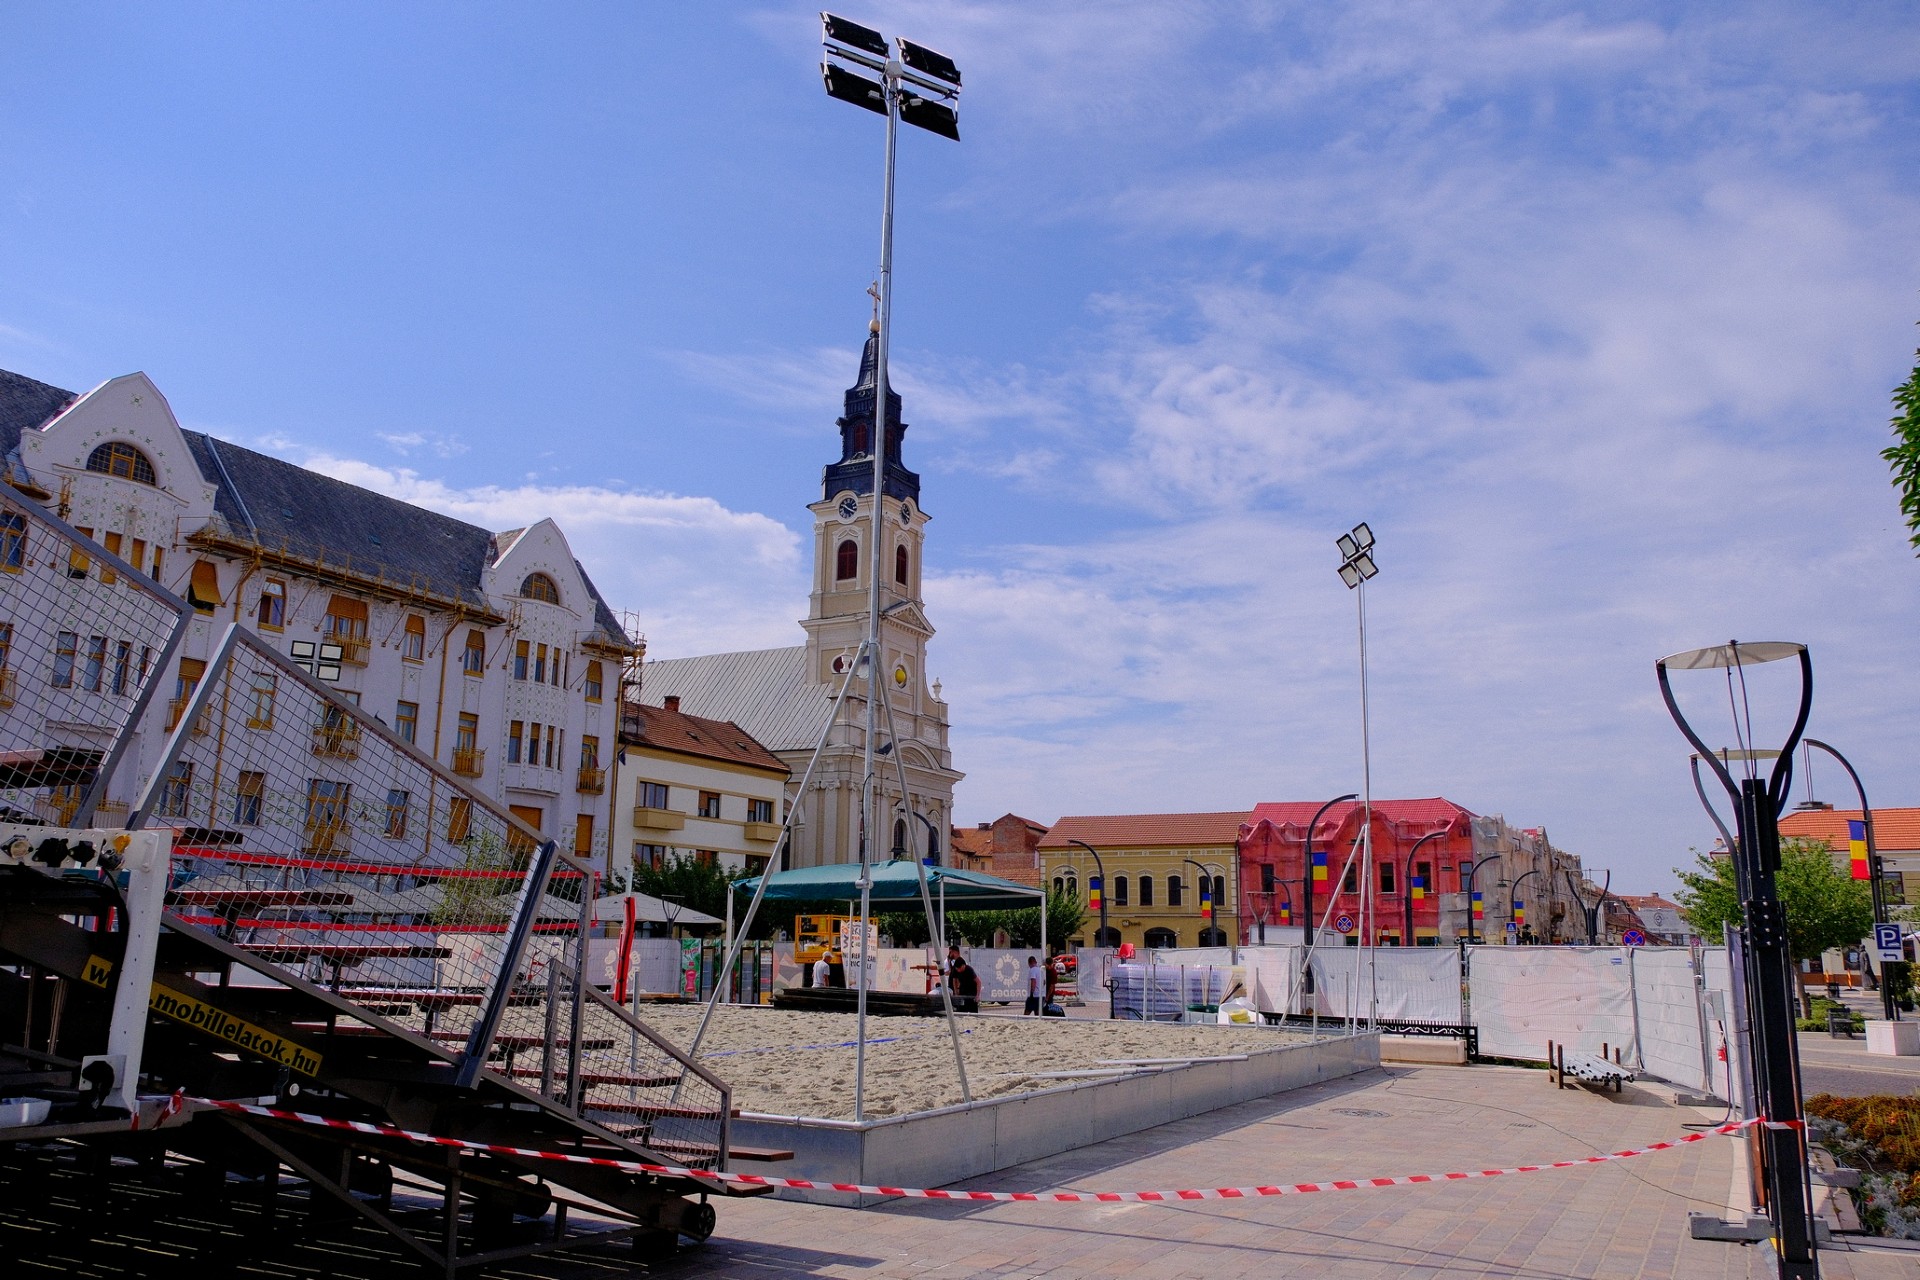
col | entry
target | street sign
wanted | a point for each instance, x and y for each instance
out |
(1512, 927)
(1886, 942)
(1634, 938)
(1344, 924)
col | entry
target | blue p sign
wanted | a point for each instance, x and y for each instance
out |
(1886, 942)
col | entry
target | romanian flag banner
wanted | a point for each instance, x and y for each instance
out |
(1286, 913)
(1419, 888)
(1479, 908)
(1206, 904)
(1857, 850)
(1093, 892)
(1519, 911)
(1319, 868)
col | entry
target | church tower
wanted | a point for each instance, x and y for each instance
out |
(836, 623)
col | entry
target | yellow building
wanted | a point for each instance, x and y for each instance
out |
(1153, 885)
(688, 786)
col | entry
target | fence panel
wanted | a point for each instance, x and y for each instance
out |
(1522, 997)
(1668, 999)
(1415, 984)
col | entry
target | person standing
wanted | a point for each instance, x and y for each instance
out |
(965, 981)
(1036, 986)
(822, 970)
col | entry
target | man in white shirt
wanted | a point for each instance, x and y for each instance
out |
(822, 971)
(1036, 985)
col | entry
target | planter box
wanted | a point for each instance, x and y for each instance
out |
(1895, 1039)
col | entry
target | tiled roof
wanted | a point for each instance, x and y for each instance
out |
(767, 692)
(1428, 813)
(1894, 830)
(1644, 901)
(665, 730)
(972, 840)
(280, 506)
(1146, 830)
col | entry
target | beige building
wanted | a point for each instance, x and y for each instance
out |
(688, 786)
(1152, 887)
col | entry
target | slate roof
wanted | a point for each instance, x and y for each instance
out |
(281, 506)
(665, 730)
(1146, 830)
(767, 692)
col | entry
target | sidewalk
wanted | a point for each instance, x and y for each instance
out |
(1624, 1220)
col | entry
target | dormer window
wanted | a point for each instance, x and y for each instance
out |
(118, 458)
(538, 586)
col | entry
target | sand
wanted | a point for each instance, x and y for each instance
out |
(792, 1063)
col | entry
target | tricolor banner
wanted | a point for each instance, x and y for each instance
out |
(1093, 892)
(1857, 850)
(1286, 913)
(1319, 868)
(1479, 907)
(1206, 902)
(1519, 911)
(1419, 888)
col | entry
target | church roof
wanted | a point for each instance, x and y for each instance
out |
(768, 692)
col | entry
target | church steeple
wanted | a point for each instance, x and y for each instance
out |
(854, 471)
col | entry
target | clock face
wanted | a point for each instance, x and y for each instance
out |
(849, 507)
(906, 512)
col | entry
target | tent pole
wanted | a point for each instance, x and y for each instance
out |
(926, 904)
(760, 890)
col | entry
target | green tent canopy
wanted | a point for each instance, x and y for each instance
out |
(896, 885)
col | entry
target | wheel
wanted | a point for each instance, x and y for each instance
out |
(697, 1221)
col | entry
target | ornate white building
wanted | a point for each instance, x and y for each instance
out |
(783, 696)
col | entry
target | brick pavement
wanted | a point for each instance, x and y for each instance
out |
(1626, 1220)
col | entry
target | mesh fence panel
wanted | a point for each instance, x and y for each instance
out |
(84, 638)
(314, 839)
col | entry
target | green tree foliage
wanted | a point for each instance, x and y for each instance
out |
(1065, 916)
(1904, 456)
(687, 880)
(1826, 908)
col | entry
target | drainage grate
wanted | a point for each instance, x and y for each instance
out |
(1360, 1113)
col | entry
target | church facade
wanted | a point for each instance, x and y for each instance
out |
(783, 697)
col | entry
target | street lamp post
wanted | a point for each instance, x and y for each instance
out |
(1474, 896)
(1307, 865)
(1096, 890)
(912, 77)
(1516, 908)
(1875, 882)
(1414, 883)
(1356, 566)
(1207, 903)
(1766, 953)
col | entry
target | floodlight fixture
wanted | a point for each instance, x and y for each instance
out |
(934, 117)
(854, 36)
(1349, 546)
(857, 89)
(1364, 563)
(929, 63)
(1363, 534)
(1350, 575)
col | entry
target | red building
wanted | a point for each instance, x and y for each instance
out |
(1273, 869)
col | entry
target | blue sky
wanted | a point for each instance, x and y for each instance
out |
(1592, 312)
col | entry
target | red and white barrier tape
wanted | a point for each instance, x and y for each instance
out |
(1054, 1197)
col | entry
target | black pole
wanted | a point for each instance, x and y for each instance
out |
(1473, 874)
(1306, 864)
(1513, 897)
(1407, 888)
(1873, 870)
(1100, 937)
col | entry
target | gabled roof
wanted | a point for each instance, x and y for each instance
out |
(1146, 830)
(1894, 830)
(1425, 813)
(676, 731)
(278, 506)
(767, 692)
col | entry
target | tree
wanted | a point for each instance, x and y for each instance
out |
(690, 881)
(1905, 455)
(1065, 916)
(1826, 908)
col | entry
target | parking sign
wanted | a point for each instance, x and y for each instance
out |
(1886, 942)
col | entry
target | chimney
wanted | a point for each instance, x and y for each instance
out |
(673, 702)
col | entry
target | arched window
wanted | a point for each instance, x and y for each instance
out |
(900, 565)
(1146, 891)
(1119, 891)
(538, 586)
(1059, 885)
(1219, 891)
(118, 458)
(846, 563)
(1158, 938)
(1073, 887)
(1176, 888)
(900, 837)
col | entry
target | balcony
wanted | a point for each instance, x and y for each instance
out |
(764, 832)
(337, 741)
(592, 781)
(330, 839)
(6, 687)
(469, 762)
(658, 819)
(353, 649)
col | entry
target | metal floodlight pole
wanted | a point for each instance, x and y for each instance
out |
(1768, 964)
(1356, 566)
(849, 42)
(1892, 1011)
(1407, 941)
(1098, 888)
